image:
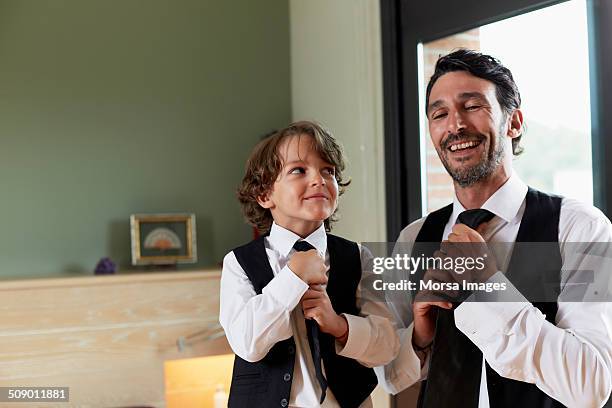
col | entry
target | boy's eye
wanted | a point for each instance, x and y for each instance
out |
(297, 170)
(330, 171)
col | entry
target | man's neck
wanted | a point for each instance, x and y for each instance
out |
(477, 194)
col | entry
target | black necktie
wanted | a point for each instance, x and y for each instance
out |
(455, 364)
(312, 329)
(473, 218)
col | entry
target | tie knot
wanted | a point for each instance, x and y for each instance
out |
(473, 218)
(302, 246)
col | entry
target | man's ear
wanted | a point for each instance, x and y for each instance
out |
(265, 201)
(515, 125)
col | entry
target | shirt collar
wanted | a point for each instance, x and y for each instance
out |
(282, 239)
(504, 203)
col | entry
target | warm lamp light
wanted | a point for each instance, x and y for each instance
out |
(192, 382)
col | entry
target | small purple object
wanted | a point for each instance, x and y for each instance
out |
(105, 266)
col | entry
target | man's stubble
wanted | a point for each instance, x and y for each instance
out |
(468, 176)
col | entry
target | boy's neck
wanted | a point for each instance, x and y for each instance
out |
(303, 229)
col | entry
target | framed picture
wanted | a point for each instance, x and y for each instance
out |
(163, 239)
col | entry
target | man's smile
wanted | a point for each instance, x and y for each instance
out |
(460, 146)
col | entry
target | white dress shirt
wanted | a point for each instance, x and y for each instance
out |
(254, 323)
(570, 361)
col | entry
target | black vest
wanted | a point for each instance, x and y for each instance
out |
(540, 223)
(267, 383)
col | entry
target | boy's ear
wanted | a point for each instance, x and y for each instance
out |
(265, 201)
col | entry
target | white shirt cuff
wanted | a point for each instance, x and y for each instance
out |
(484, 322)
(286, 288)
(409, 361)
(495, 308)
(509, 293)
(358, 337)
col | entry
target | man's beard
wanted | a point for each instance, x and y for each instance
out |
(468, 176)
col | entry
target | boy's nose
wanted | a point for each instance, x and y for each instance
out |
(317, 179)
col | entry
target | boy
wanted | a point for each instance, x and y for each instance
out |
(297, 342)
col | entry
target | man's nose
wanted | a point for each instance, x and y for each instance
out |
(456, 123)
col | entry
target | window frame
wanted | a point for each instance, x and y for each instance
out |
(406, 23)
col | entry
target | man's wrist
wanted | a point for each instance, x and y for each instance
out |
(417, 347)
(421, 352)
(343, 337)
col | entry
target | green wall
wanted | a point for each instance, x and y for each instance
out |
(109, 108)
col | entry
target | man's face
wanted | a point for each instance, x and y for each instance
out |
(467, 126)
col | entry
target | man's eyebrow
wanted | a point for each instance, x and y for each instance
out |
(434, 105)
(471, 95)
(462, 96)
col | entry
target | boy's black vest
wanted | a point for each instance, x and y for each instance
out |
(267, 383)
(540, 223)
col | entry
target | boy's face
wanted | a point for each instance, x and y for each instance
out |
(306, 191)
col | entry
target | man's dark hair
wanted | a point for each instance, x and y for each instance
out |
(485, 67)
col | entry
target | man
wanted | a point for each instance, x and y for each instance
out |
(536, 353)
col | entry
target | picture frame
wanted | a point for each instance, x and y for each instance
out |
(163, 239)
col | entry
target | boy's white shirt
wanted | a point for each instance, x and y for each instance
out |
(254, 323)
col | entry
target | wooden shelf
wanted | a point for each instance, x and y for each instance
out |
(105, 337)
(121, 278)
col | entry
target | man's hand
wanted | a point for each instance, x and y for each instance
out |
(317, 306)
(425, 320)
(444, 285)
(309, 267)
(464, 242)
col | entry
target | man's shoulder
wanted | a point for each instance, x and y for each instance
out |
(582, 222)
(441, 215)
(410, 232)
(572, 208)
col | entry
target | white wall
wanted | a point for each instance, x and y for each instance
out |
(336, 79)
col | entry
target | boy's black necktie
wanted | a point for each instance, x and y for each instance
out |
(445, 365)
(312, 329)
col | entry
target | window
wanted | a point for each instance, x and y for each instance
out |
(552, 74)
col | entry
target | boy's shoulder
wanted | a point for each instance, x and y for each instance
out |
(256, 245)
(339, 239)
(340, 245)
(251, 247)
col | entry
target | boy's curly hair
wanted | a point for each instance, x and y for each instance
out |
(265, 163)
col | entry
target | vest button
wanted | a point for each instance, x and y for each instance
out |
(291, 349)
(287, 377)
(284, 402)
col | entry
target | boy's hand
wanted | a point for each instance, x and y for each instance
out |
(309, 267)
(317, 306)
